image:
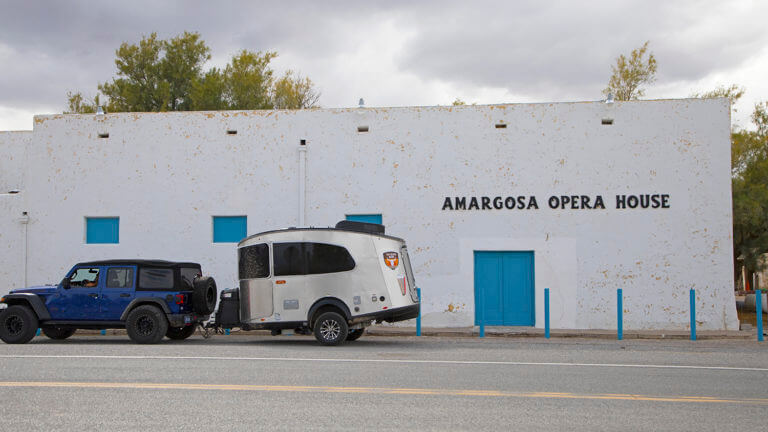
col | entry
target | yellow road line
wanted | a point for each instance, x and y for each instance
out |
(381, 390)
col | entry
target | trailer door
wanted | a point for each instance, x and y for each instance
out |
(255, 282)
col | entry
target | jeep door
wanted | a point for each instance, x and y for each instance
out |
(77, 298)
(117, 291)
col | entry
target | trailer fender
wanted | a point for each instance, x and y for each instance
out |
(328, 301)
(31, 300)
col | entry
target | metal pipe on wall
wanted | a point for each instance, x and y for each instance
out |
(302, 182)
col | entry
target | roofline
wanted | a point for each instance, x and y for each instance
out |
(318, 229)
(142, 262)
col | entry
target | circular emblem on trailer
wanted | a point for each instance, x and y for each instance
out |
(391, 259)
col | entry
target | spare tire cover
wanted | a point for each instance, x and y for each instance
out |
(204, 295)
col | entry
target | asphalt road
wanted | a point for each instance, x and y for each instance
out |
(291, 383)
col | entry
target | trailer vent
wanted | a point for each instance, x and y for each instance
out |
(364, 227)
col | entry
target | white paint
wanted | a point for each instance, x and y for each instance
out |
(396, 361)
(166, 174)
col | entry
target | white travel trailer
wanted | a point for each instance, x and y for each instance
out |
(332, 282)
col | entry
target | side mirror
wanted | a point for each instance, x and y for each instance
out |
(65, 283)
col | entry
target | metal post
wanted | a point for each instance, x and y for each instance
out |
(418, 318)
(546, 313)
(759, 312)
(302, 182)
(619, 315)
(693, 314)
(482, 314)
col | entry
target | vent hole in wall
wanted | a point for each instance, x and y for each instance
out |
(501, 125)
(231, 132)
(103, 134)
(607, 121)
(362, 128)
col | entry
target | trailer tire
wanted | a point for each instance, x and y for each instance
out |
(354, 335)
(58, 333)
(204, 295)
(18, 324)
(146, 325)
(180, 333)
(331, 329)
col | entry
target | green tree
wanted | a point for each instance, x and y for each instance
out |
(294, 92)
(168, 75)
(248, 80)
(628, 75)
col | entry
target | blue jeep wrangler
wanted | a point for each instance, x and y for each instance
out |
(149, 298)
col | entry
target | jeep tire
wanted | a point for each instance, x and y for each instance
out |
(146, 325)
(204, 295)
(331, 329)
(354, 335)
(180, 333)
(58, 333)
(18, 324)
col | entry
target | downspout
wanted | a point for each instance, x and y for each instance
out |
(302, 182)
(24, 220)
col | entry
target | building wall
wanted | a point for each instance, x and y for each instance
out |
(13, 146)
(166, 174)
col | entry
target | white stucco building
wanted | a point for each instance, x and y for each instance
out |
(496, 202)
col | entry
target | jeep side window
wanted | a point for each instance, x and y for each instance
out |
(155, 279)
(311, 258)
(253, 261)
(120, 277)
(85, 277)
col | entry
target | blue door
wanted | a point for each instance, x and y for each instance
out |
(504, 290)
(117, 291)
(80, 299)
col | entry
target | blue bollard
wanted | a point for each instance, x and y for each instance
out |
(37, 333)
(619, 314)
(103, 332)
(226, 332)
(546, 313)
(693, 314)
(759, 312)
(418, 318)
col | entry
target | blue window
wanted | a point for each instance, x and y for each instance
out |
(101, 230)
(370, 218)
(229, 229)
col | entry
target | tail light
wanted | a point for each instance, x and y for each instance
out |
(403, 285)
(181, 299)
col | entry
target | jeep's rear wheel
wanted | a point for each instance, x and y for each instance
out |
(146, 325)
(18, 324)
(204, 295)
(58, 333)
(331, 329)
(180, 333)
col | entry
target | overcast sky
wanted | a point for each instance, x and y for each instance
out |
(397, 53)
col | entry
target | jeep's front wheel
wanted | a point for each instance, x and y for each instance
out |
(146, 325)
(331, 329)
(58, 333)
(180, 333)
(18, 324)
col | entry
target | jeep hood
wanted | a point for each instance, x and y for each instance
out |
(43, 289)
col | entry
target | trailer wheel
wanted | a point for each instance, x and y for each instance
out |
(146, 325)
(204, 295)
(354, 335)
(58, 333)
(331, 329)
(18, 324)
(180, 333)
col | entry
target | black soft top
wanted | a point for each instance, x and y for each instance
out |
(141, 262)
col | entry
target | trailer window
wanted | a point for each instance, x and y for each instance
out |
(311, 258)
(253, 261)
